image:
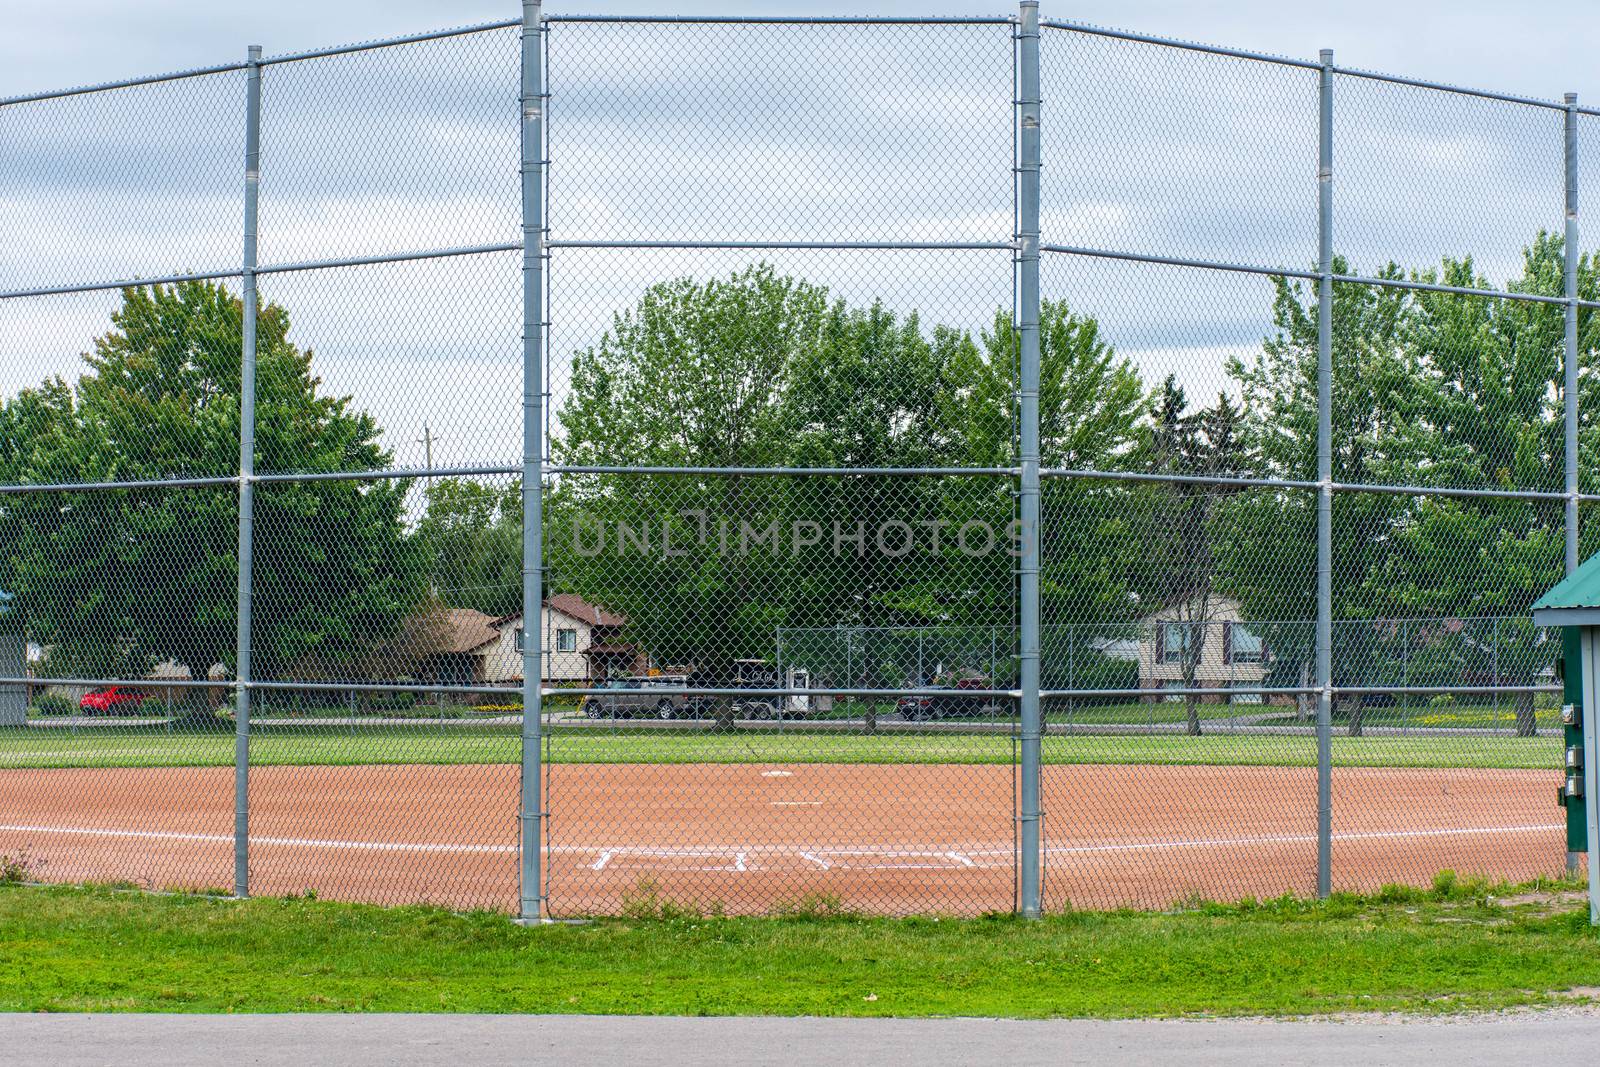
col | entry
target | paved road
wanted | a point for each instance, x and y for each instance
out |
(138, 1040)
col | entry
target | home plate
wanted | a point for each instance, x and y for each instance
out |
(777, 774)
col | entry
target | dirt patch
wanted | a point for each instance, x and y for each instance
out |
(1544, 902)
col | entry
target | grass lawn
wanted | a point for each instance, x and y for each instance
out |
(1458, 948)
(153, 746)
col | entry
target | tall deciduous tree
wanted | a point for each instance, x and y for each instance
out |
(114, 582)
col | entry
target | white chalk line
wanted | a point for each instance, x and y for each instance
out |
(297, 842)
(1304, 839)
(821, 857)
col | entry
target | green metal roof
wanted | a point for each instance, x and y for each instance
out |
(1574, 601)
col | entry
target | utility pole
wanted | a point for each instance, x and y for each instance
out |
(427, 451)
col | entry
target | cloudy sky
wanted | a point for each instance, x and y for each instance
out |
(1475, 42)
(765, 134)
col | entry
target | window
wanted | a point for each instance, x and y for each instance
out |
(1242, 645)
(566, 640)
(1176, 640)
(519, 639)
(1173, 698)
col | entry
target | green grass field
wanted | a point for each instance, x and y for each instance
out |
(1460, 947)
(308, 744)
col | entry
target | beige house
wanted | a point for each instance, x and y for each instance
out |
(1207, 635)
(580, 641)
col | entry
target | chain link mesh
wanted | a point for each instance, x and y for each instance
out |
(796, 132)
(397, 149)
(1132, 164)
(136, 182)
(780, 474)
(1425, 176)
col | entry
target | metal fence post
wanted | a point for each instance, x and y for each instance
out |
(247, 471)
(1569, 387)
(1028, 340)
(1570, 340)
(531, 814)
(1325, 476)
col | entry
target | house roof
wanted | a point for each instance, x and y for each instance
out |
(1573, 601)
(574, 606)
(468, 629)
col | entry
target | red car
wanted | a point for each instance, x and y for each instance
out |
(113, 700)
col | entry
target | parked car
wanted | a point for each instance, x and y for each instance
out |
(643, 696)
(112, 700)
(952, 701)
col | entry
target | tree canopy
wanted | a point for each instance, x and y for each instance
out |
(114, 582)
(760, 370)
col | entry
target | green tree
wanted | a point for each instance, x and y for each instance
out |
(694, 375)
(1091, 401)
(1177, 570)
(117, 581)
(1431, 389)
(471, 539)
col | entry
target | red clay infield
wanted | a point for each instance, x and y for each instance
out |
(752, 837)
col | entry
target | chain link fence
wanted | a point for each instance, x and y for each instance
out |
(982, 464)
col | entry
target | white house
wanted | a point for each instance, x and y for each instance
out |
(1210, 633)
(580, 640)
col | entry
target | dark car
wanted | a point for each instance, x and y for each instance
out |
(644, 696)
(112, 700)
(952, 701)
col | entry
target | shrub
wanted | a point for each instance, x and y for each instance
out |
(54, 704)
(17, 868)
(399, 700)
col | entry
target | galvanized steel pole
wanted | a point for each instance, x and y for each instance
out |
(1027, 261)
(1569, 388)
(1570, 341)
(1325, 476)
(247, 470)
(532, 909)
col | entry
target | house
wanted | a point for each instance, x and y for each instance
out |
(581, 642)
(461, 632)
(1209, 635)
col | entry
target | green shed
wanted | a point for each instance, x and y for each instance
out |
(1574, 605)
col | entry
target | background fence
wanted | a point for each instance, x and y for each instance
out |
(981, 465)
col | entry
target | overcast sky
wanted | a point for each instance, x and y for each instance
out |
(883, 134)
(1474, 42)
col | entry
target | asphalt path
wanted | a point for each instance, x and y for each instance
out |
(1552, 1036)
